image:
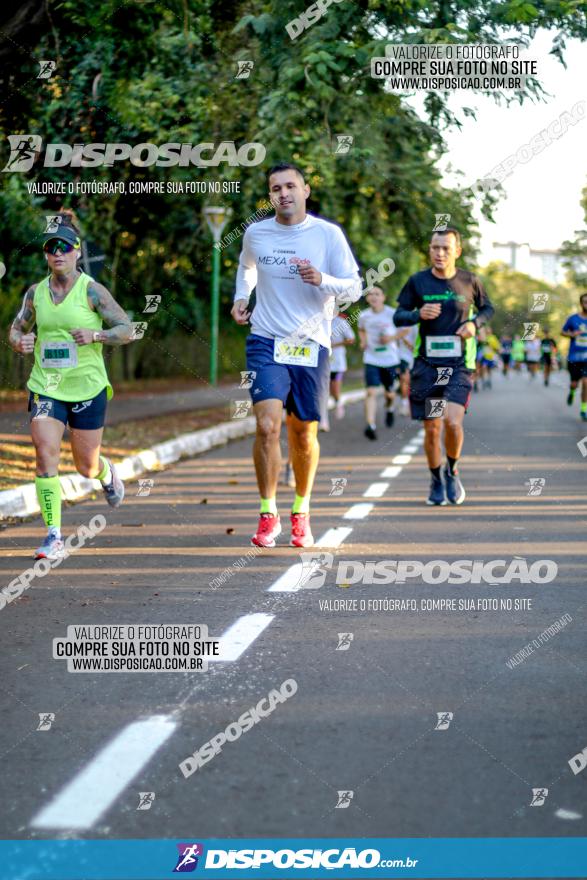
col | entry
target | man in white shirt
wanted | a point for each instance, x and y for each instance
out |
(302, 268)
(379, 337)
(533, 352)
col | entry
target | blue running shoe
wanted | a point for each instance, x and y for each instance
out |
(455, 491)
(52, 547)
(437, 496)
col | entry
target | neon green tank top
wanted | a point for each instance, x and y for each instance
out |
(62, 369)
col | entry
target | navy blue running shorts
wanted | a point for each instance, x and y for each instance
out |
(577, 370)
(85, 415)
(431, 382)
(376, 376)
(300, 388)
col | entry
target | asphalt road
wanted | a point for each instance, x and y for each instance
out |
(363, 719)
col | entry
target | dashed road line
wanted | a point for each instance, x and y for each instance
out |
(333, 537)
(391, 471)
(401, 459)
(240, 636)
(95, 788)
(376, 490)
(358, 511)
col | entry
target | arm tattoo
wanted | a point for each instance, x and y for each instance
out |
(25, 320)
(112, 314)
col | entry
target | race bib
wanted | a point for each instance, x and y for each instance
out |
(443, 346)
(57, 355)
(299, 355)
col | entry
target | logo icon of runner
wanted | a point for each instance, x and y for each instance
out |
(189, 854)
(444, 719)
(344, 641)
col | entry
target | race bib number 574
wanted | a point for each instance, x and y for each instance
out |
(304, 355)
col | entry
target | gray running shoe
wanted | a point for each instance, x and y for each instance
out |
(114, 491)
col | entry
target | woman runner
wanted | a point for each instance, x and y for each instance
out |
(68, 383)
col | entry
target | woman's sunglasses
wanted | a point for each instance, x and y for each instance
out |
(56, 245)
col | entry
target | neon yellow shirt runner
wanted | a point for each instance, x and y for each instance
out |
(62, 369)
(518, 351)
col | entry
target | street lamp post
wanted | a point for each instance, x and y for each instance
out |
(216, 218)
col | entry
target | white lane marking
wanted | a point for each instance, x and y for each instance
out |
(292, 580)
(391, 471)
(81, 803)
(333, 537)
(376, 490)
(567, 814)
(411, 448)
(421, 433)
(358, 511)
(240, 636)
(289, 581)
(89, 794)
(296, 577)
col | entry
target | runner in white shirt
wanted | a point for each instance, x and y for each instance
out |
(341, 336)
(302, 268)
(405, 347)
(533, 354)
(379, 337)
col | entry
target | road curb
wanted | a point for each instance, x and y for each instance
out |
(22, 501)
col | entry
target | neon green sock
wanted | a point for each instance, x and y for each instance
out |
(268, 505)
(584, 407)
(49, 497)
(301, 504)
(105, 470)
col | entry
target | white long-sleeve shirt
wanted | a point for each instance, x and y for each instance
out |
(286, 306)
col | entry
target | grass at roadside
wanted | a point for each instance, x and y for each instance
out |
(17, 456)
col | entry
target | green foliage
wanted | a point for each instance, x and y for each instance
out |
(510, 294)
(575, 252)
(153, 72)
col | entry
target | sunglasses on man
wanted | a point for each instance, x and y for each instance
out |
(56, 245)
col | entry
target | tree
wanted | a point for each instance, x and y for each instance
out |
(156, 74)
(575, 252)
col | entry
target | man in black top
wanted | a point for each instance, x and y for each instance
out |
(548, 353)
(449, 304)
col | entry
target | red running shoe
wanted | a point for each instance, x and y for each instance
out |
(268, 530)
(301, 534)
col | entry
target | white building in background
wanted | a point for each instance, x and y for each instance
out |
(543, 264)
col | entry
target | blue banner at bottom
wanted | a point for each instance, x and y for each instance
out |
(271, 858)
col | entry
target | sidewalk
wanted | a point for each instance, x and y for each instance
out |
(135, 420)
